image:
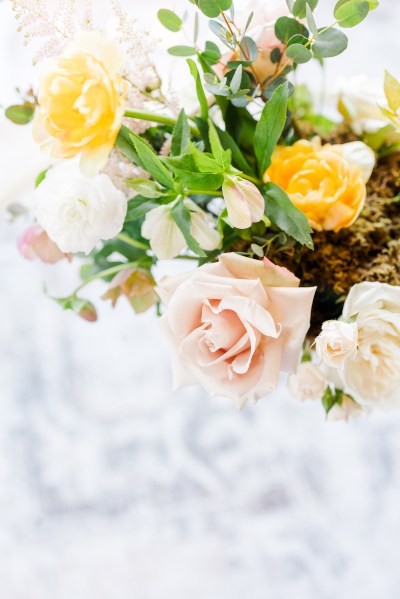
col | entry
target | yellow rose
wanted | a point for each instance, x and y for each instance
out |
(321, 181)
(81, 102)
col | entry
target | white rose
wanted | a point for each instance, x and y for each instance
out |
(307, 383)
(360, 100)
(358, 153)
(373, 376)
(337, 343)
(77, 211)
(346, 410)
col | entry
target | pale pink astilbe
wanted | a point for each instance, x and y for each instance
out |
(119, 169)
(53, 26)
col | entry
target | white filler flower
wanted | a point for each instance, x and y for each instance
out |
(77, 211)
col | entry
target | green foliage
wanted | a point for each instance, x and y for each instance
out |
(300, 6)
(183, 219)
(299, 53)
(181, 135)
(169, 19)
(350, 13)
(194, 71)
(329, 43)
(331, 398)
(283, 214)
(182, 51)
(151, 162)
(20, 114)
(392, 92)
(145, 187)
(83, 308)
(213, 8)
(286, 27)
(270, 126)
(41, 177)
(238, 158)
(139, 206)
(197, 170)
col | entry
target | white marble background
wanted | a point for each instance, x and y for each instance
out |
(113, 487)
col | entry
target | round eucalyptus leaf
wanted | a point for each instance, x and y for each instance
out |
(299, 53)
(351, 13)
(20, 115)
(331, 42)
(169, 19)
(286, 27)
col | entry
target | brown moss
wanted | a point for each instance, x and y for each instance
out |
(367, 251)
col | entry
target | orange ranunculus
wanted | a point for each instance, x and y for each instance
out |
(321, 182)
(81, 102)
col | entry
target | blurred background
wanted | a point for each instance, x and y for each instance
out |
(113, 486)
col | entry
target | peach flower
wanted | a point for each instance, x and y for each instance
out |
(233, 327)
(325, 182)
(262, 31)
(35, 243)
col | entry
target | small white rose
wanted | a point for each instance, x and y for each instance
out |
(373, 376)
(361, 100)
(307, 383)
(77, 211)
(337, 343)
(358, 153)
(346, 410)
(167, 240)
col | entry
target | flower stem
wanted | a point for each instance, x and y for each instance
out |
(133, 242)
(105, 273)
(143, 115)
(200, 192)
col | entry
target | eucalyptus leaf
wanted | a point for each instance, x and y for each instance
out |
(237, 80)
(169, 19)
(299, 53)
(311, 21)
(286, 27)
(351, 13)
(283, 214)
(20, 115)
(270, 127)
(213, 8)
(299, 8)
(182, 51)
(331, 42)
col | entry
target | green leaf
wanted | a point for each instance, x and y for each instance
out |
(20, 115)
(199, 89)
(138, 207)
(236, 80)
(330, 398)
(213, 8)
(169, 19)
(144, 187)
(300, 7)
(223, 157)
(392, 91)
(351, 13)
(270, 127)
(299, 53)
(181, 216)
(188, 173)
(238, 158)
(151, 162)
(283, 214)
(41, 177)
(330, 43)
(286, 27)
(182, 51)
(311, 21)
(126, 145)
(181, 135)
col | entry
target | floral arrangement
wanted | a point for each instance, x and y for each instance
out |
(288, 217)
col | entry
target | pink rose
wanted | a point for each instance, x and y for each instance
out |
(262, 31)
(234, 325)
(35, 243)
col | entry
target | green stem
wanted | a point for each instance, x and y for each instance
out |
(143, 115)
(133, 242)
(252, 179)
(105, 273)
(200, 192)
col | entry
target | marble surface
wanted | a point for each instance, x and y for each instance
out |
(111, 486)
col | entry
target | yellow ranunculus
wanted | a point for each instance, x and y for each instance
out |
(320, 181)
(81, 102)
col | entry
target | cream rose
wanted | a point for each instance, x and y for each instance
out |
(337, 343)
(77, 211)
(373, 376)
(233, 327)
(307, 383)
(81, 102)
(360, 101)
